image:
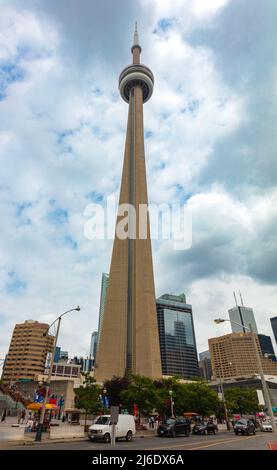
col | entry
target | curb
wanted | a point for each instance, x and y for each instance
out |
(62, 440)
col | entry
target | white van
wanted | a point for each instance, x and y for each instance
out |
(102, 428)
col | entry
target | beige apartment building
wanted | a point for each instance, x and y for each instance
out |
(234, 355)
(27, 352)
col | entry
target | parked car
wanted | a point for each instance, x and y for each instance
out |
(205, 427)
(173, 427)
(101, 430)
(266, 426)
(244, 426)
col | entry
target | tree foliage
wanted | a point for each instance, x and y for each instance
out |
(197, 397)
(241, 400)
(114, 388)
(87, 396)
(149, 395)
(141, 390)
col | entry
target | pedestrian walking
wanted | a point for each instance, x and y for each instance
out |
(3, 418)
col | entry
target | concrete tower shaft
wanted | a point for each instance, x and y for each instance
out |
(129, 339)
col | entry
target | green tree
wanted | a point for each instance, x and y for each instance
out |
(200, 398)
(242, 400)
(87, 396)
(197, 397)
(164, 387)
(141, 391)
(114, 388)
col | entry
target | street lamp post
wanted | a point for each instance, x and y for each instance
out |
(104, 402)
(171, 403)
(260, 367)
(224, 403)
(42, 414)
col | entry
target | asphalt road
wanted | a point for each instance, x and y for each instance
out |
(222, 441)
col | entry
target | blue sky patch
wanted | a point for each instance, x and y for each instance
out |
(14, 285)
(96, 91)
(69, 241)
(184, 197)
(95, 196)
(164, 24)
(58, 216)
(63, 135)
(192, 107)
(21, 207)
(9, 73)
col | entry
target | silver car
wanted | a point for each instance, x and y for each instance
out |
(266, 426)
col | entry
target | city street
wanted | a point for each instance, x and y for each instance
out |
(223, 441)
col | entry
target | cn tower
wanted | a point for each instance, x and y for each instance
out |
(129, 341)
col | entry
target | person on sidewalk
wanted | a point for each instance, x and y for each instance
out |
(151, 422)
(30, 424)
(22, 417)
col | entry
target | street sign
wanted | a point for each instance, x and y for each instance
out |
(106, 402)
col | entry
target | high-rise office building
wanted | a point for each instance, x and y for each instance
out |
(129, 341)
(93, 346)
(204, 355)
(85, 363)
(28, 351)
(63, 356)
(103, 295)
(267, 347)
(205, 366)
(57, 354)
(177, 337)
(273, 322)
(244, 316)
(234, 355)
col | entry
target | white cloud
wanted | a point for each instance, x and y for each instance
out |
(203, 8)
(63, 138)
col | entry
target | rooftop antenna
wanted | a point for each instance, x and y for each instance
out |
(241, 298)
(235, 298)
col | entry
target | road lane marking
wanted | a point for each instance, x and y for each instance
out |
(181, 445)
(223, 442)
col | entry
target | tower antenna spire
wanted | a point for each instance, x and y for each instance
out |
(136, 35)
(235, 298)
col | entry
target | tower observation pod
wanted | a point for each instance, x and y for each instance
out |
(136, 75)
(129, 341)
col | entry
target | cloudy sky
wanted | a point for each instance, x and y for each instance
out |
(210, 141)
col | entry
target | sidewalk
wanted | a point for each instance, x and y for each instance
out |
(29, 439)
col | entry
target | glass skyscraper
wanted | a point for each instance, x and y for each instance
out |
(273, 322)
(244, 316)
(104, 287)
(267, 347)
(177, 337)
(93, 345)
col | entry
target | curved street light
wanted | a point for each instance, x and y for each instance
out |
(42, 414)
(171, 403)
(260, 367)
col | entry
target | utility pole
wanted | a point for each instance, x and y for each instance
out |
(264, 384)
